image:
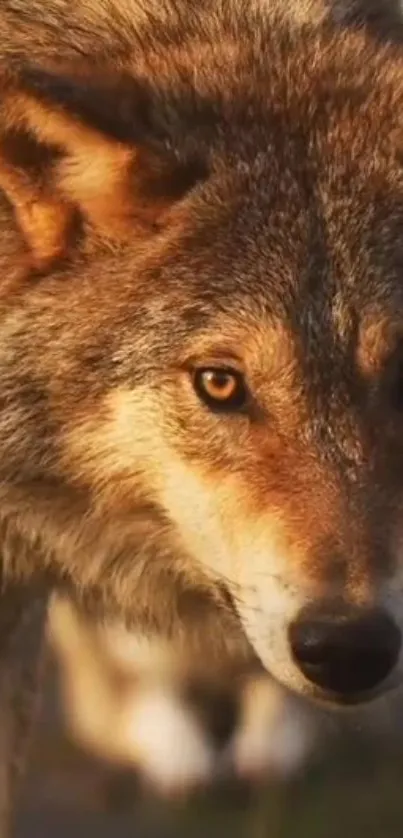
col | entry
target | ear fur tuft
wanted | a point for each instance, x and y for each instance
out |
(94, 154)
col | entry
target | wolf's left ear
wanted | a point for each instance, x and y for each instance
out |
(87, 145)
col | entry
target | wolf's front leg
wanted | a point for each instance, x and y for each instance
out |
(135, 702)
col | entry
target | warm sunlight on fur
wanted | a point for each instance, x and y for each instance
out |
(201, 354)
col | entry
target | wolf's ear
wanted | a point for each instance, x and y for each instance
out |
(91, 147)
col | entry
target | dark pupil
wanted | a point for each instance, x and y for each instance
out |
(219, 380)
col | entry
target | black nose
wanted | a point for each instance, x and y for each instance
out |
(345, 652)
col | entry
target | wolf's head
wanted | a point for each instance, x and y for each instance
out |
(201, 355)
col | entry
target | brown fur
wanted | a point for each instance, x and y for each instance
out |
(221, 186)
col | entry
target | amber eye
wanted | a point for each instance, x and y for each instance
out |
(220, 389)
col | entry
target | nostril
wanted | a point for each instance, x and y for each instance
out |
(345, 652)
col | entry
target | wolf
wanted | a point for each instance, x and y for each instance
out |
(201, 368)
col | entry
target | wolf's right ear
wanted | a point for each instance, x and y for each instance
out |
(73, 144)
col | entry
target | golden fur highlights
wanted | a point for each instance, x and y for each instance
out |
(160, 220)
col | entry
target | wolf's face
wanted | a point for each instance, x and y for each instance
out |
(212, 382)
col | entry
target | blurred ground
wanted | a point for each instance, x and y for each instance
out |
(355, 790)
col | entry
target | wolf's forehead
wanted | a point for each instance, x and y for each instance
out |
(271, 308)
(299, 265)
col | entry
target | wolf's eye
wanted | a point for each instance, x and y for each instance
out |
(220, 389)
